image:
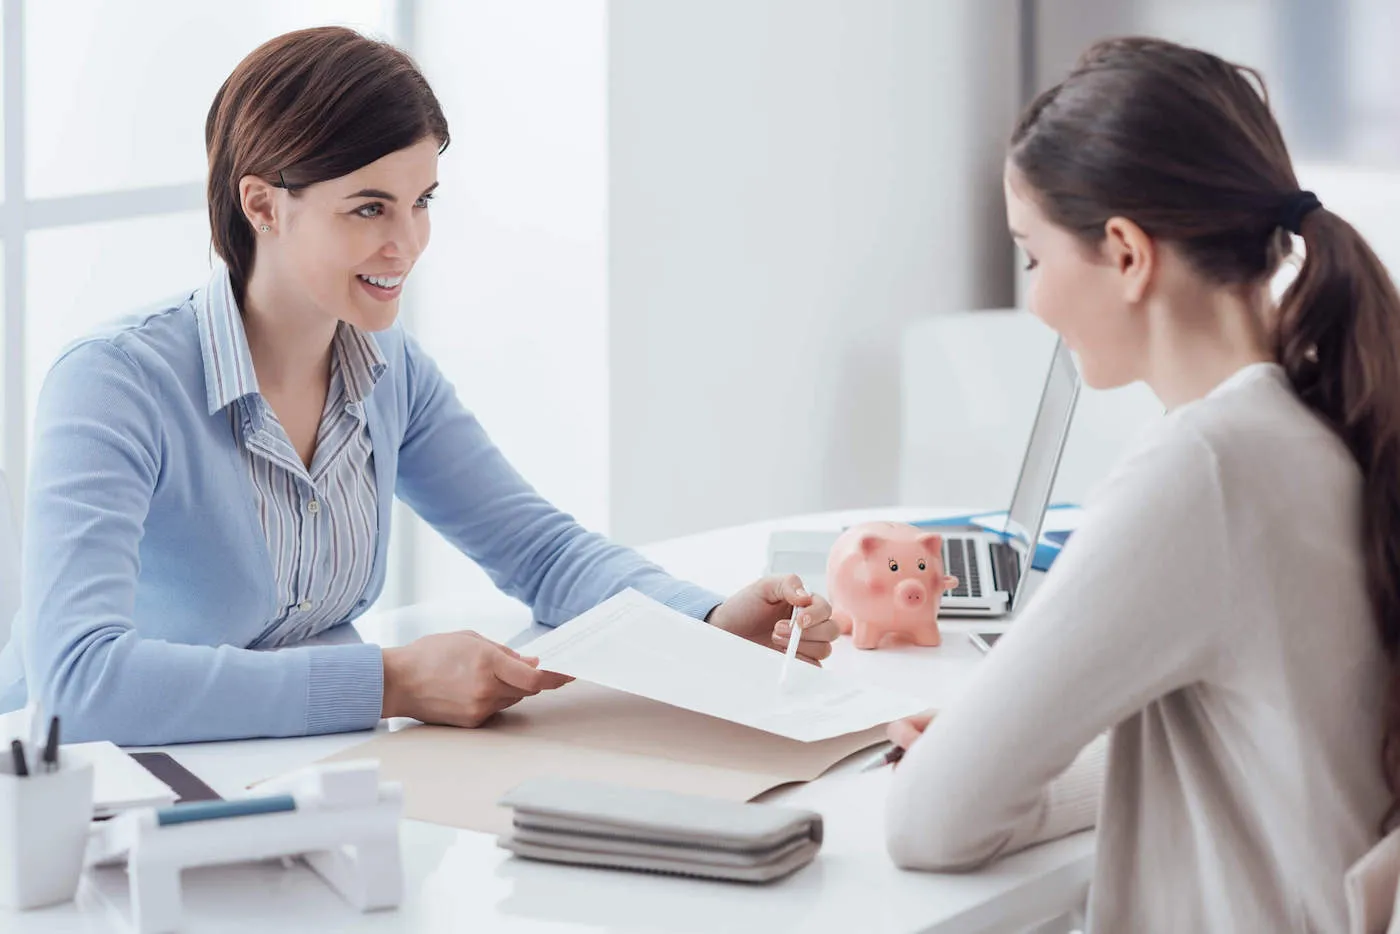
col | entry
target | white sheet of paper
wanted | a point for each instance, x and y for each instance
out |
(633, 643)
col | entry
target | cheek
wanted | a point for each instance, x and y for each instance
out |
(1081, 303)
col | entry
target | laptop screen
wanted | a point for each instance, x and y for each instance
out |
(1033, 487)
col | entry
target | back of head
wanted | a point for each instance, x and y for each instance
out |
(303, 108)
(1183, 143)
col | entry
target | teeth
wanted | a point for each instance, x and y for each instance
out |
(384, 282)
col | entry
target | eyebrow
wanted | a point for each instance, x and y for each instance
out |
(384, 195)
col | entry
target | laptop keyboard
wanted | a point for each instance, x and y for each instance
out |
(1006, 566)
(960, 558)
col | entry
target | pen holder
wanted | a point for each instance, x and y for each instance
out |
(44, 820)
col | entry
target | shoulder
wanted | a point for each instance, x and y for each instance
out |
(159, 336)
(153, 353)
(1265, 439)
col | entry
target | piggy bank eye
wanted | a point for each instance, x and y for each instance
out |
(894, 565)
(922, 566)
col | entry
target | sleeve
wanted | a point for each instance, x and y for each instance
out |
(98, 456)
(453, 476)
(1136, 607)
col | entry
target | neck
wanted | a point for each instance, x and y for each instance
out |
(1202, 337)
(290, 341)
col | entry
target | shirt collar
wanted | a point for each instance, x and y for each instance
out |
(361, 362)
(228, 364)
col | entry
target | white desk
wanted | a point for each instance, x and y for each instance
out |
(460, 881)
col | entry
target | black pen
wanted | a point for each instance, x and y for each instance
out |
(17, 750)
(51, 747)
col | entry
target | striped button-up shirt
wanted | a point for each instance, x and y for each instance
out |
(320, 523)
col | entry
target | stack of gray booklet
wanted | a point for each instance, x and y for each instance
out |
(595, 824)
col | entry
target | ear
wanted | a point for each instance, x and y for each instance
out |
(868, 543)
(1133, 253)
(933, 542)
(258, 199)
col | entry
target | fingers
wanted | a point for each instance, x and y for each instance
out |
(819, 611)
(807, 651)
(904, 733)
(519, 673)
(787, 589)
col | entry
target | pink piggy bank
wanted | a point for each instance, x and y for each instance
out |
(884, 577)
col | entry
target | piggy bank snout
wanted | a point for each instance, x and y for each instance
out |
(911, 592)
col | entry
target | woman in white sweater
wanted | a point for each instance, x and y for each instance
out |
(1229, 609)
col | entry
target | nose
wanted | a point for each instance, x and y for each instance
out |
(407, 240)
(911, 592)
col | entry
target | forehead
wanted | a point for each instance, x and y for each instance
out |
(1021, 211)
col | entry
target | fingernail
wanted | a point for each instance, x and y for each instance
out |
(804, 620)
(802, 592)
(784, 628)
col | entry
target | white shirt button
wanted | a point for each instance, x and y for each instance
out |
(313, 507)
(304, 605)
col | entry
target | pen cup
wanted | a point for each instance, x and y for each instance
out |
(44, 820)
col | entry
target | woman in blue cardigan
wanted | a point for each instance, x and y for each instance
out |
(215, 478)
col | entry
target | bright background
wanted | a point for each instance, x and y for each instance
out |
(677, 241)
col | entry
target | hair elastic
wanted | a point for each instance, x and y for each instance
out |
(1298, 206)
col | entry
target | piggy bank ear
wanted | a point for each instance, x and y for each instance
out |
(868, 543)
(933, 542)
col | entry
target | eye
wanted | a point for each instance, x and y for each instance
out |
(424, 201)
(894, 565)
(373, 209)
(922, 566)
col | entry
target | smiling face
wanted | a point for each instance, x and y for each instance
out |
(343, 248)
(1079, 291)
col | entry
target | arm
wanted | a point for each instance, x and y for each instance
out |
(99, 453)
(458, 481)
(1135, 608)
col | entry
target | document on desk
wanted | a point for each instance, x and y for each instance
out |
(634, 644)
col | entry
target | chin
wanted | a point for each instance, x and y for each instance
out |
(1102, 377)
(380, 316)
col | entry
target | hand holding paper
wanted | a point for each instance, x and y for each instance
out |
(459, 679)
(634, 644)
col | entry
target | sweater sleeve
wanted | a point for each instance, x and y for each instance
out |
(99, 456)
(1136, 607)
(453, 476)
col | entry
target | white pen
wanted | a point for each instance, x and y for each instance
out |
(794, 637)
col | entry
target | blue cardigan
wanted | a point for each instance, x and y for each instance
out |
(145, 571)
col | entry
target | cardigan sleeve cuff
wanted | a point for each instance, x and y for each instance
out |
(345, 688)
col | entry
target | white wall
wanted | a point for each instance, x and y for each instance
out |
(792, 183)
(511, 297)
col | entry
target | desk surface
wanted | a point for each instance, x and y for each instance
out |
(460, 880)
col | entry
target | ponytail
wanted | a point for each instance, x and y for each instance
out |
(1338, 338)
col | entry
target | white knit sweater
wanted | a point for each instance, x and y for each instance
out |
(1211, 612)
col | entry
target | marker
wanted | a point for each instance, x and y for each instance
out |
(51, 747)
(17, 751)
(794, 637)
(220, 810)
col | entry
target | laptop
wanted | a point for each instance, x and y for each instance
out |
(991, 565)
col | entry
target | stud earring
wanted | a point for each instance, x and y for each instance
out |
(264, 228)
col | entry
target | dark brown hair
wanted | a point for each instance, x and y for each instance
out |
(1183, 144)
(303, 108)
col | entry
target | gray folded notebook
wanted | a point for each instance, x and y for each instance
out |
(595, 824)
